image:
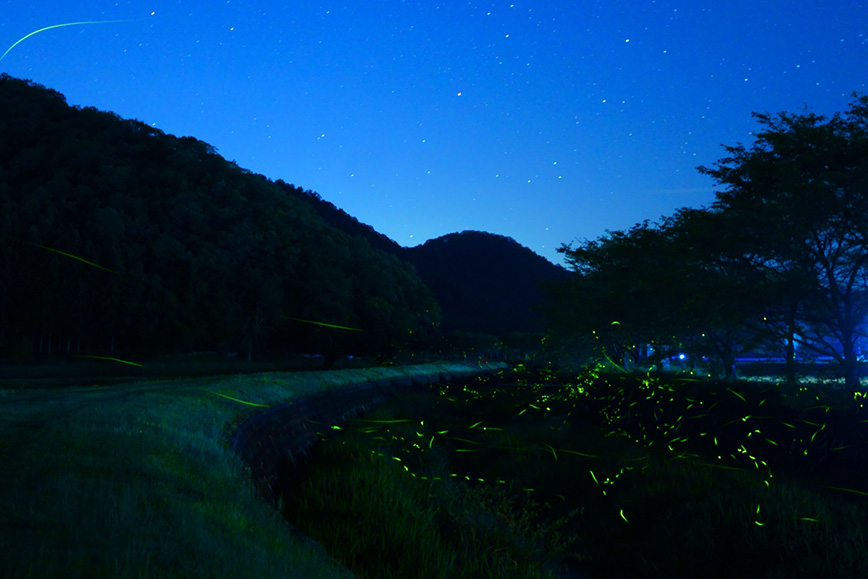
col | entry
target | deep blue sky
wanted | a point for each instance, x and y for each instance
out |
(544, 121)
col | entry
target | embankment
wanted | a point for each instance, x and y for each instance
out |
(268, 440)
(140, 479)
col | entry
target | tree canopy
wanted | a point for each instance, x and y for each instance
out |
(780, 258)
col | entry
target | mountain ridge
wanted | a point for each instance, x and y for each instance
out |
(484, 281)
(117, 238)
(500, 278)
(209, 253)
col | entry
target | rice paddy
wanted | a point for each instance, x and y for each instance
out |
(601, 476)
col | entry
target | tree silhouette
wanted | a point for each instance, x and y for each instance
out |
(780, 257)
(800, 191)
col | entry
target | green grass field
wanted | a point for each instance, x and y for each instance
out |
(613, 477)
(137, 480)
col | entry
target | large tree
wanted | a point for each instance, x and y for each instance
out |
(619, 293)
(800, 192)
(678, 286)
(722, 294)
(781, 256)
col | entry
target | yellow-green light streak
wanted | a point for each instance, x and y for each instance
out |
(8, 50)
(737, 394)
(110, 359)
(236, 399)
(552, 448)
(580, 453)
(381, 421)
(73, 257)
(848, 490)
(328, 325)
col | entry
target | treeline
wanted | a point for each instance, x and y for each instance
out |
(341, 220)
(488, 285)
(778, 264)
(116, 237)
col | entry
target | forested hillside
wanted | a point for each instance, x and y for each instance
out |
(484, 282)
(340, 219)
(116, 237)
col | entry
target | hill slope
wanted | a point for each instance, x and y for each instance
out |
(340, 219)
(116, 237)
(484, 282)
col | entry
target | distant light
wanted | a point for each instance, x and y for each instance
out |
(681, 356)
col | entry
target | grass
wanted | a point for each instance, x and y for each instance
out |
(137, 480)
(609, 476)
(65, 370)
(380, 522)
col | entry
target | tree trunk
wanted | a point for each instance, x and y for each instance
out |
(728, 359)
(252, 330)
(691, 353)
(850, 364)
(790, 377)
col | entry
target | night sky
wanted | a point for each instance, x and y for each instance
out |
(544, 121)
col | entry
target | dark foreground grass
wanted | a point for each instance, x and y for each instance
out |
(380, 522)
(138, 480)
(485, 481)
(685, 519)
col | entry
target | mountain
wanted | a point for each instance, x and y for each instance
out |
(118, 238)
(484, 282)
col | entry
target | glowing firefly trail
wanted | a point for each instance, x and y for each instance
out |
(72, 256)
(111, 359)
(237, 399)
(328, 325)
(60, 26)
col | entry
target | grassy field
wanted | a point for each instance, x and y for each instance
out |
(71, 371)
(136, 480)
(610, 476)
